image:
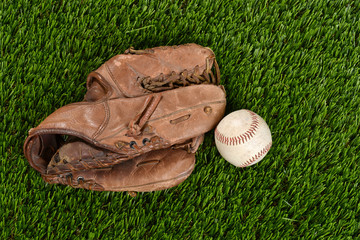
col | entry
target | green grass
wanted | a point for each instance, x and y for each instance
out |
(295, 63)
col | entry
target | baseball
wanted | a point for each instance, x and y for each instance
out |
(243, 138)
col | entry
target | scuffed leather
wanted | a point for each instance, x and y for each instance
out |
(116, 130)
(120, 75)
(105, 124)
(156, 170)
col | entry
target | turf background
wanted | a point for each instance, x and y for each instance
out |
(295, 63)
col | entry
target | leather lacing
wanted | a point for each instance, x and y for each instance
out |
(185, 78)
(138, 126)
(68, 179)
(137, 129)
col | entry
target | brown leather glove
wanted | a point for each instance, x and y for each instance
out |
(113, 129)
(140, 72)
(128, 127)
(152, 171)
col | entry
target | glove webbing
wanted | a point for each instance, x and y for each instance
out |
(175, 80)
(185, 78)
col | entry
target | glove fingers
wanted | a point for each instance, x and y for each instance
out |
(141, 72)
(156, 170)
(75, 150)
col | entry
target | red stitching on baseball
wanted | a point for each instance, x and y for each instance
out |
(243, 137)
(257, 156)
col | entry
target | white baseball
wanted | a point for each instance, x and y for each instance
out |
(243, 138)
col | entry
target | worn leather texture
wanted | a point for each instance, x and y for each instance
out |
(153, 171)
(147, 108)
(140, 72)
(107, 124)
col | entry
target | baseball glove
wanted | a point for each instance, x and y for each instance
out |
(134, 131)
(140, 72)
(152, 171)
